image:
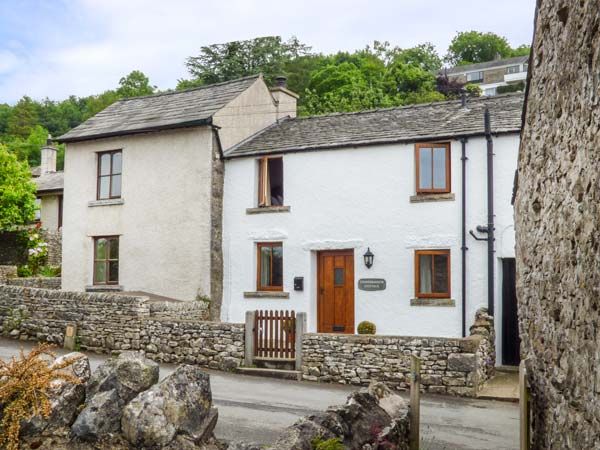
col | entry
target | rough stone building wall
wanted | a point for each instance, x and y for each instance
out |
(35, 282)
(557, 214)
(449, 365)
(7, 272)
(54, 241)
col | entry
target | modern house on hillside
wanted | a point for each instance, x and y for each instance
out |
(143, 199)
(377, 216)
(491, 75)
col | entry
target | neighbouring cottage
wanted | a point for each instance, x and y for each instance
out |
(143, 199)
(359, 216)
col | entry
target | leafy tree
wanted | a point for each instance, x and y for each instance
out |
(424, 56)
(521, 50)
(134, 85)
(17, 191)
(223, 62)
(475, 47)
(23, 118)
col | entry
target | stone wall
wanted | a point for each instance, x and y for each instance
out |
(174, 310)
(111, 323)
(7, 272)
(449, 365)
(35, 282)
(557, 213)
(54, 241)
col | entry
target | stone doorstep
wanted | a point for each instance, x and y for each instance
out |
(503, 386)
(271, 373)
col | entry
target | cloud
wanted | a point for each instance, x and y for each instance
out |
(84, 47)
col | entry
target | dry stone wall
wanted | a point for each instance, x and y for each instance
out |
(54, 241)
(111, 323)
(557, 213)
(36, 282)
(7, 272)
(449, 365)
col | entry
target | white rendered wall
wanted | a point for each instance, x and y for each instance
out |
(359, 198)
(164, 222)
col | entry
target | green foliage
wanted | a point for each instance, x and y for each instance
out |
(17, 191)
(49, 271)
(474, 90)
(469, 47)
(134, 85)
(327, 444)
(37, 251)
(366, 327)
(222, 62)
(514, 87)
(24, 271)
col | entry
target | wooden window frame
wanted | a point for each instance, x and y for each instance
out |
(259, 286)
(109, 176)
(106, 262)
(264, 197)
(448, 187)
(418, 274)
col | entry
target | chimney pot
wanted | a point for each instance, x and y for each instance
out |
(281, 81)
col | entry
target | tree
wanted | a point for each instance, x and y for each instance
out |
(469, 47)
(17, 191)
(424, 55)
(23, 118)
(223, 62)
(134, 85)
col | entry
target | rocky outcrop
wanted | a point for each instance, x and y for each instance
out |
(178, 407)
(371, 419)
(109, 389)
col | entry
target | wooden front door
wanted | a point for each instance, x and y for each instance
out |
(335, 291)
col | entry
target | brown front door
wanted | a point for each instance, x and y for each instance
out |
(336, 291)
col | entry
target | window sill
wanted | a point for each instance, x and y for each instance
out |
(107, 202)
(104, 288)
(267, 294)
(432, 302)
(268, 209)
(421, 198)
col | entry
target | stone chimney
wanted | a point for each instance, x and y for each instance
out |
(285, 99)
(49, 152)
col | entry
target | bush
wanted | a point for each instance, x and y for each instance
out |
(366, 327)
(24, 385)
(50, 271)
(24, 271)
(329, 444)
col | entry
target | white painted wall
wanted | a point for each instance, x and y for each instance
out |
(49, 209)
(164, 222)
(359, 198)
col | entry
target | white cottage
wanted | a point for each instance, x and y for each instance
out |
(377, 216)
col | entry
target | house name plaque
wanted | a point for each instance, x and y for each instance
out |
(371, 284)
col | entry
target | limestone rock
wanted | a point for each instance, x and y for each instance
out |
(110, 387)
(462, 362)
(179, 406)
(65, 398)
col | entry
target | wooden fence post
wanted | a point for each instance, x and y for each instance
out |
(415, 402)
(249, 339)
(524, 413)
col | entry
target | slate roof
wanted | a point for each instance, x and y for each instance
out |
(486, 65)
(50, 182)
(441, 120)
(160, 111)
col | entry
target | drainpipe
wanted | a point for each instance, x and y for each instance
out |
(464, 248)
(490, 205)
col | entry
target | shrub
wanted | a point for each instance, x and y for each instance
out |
(49, 271)
(24, 385)
(329, 444)
(24, 271)
(37, 251)
(366, 327)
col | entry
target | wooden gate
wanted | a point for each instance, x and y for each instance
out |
(275, 334)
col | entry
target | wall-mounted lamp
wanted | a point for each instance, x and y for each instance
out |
(369, 257)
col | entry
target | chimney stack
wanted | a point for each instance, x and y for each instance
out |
(285, 99)
(281, 81)
(48, 161)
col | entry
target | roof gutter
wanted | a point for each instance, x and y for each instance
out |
(188, 124)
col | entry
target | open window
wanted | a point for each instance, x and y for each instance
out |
(432, 273)
(433, 168)
(270, 182)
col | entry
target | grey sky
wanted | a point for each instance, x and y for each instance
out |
(62, 47)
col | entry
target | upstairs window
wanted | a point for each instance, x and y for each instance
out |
(513, 69)
(475, 77)
(106, 260)
(270, 182)
(270, 266)
(432, 273)
(109, 174)
(433, 168)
